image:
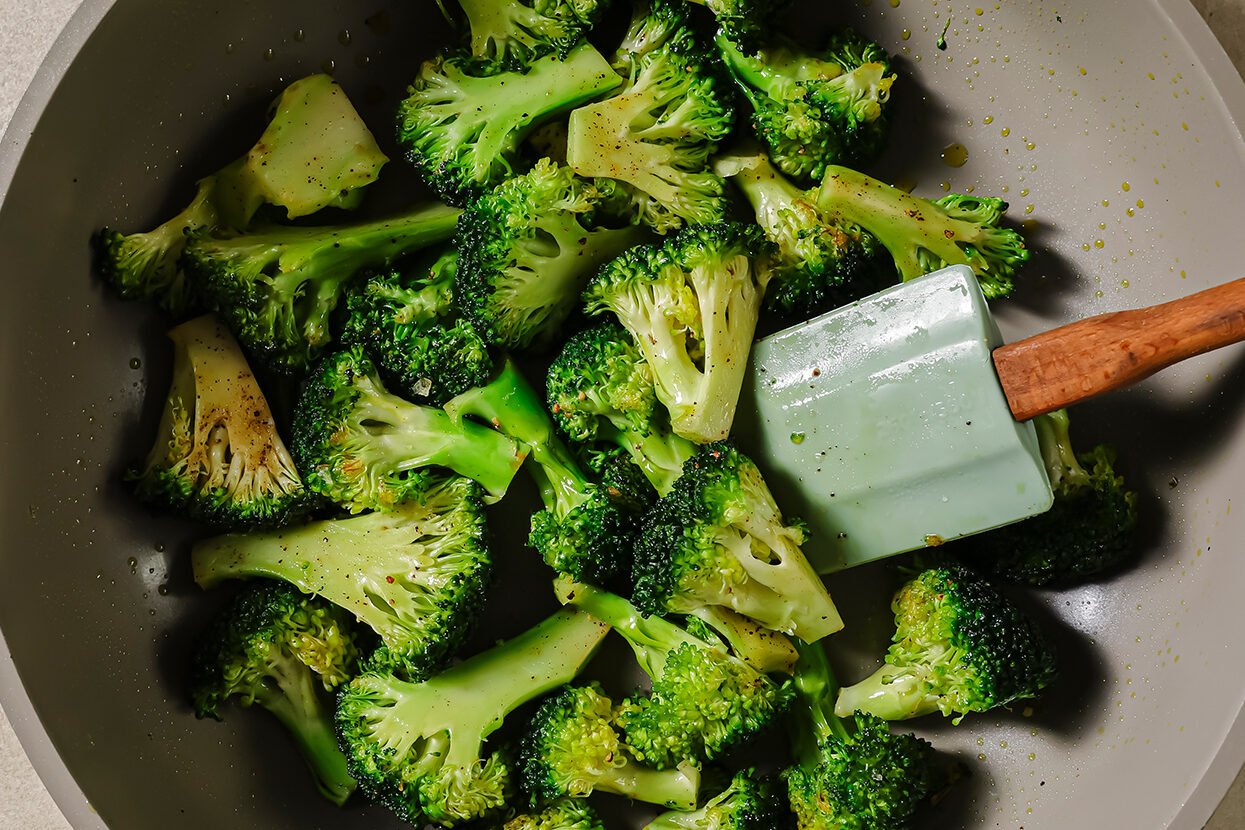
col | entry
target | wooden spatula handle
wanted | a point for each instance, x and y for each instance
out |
(1083, 359)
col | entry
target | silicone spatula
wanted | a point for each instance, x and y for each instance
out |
(902, 421)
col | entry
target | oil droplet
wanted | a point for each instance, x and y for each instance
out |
(1102, 226)
(1184, 126)
(905, 183)
(1126, 187)
(133, 563)
(797, 438)
(1003, 744)
(1005, 132)
(1029, 145)
(1150, 75)
(1184, 275)
(329, 66)
(136, 363)
(906, 34)
(1082, 70)
(1085, 246)
(979, 11)
(299, 36)
(1024, 192)
(989, 119)
(1098, 243)
(1124, 283)
(981, 756)
(362, 61)
(946, 186)
(269, 54)
(955, 155)
(1100, 294)
(1028, 209)
(163, 590)
(344, 38)
(894, 4)
(1141, 203)
(1130, 211)
(229, 48)
(1106, 203)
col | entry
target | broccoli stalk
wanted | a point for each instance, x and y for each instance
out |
(566, 814)
(751, 802)
(419, 748)
(276, 287)
(704, 702)
(769, 652)
(462, 122)
(416, 574)
(217, 456)
(513, 33)
(923, 236)
(273, 646)
(960, 646)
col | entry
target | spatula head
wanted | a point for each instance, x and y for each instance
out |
(883, 426)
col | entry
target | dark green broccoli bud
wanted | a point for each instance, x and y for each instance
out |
(821, 262)
(960, 646)
(718, 539)
(769, 652)
(218, 457)
(277, 286)
(463, 120)
(751, 802)
(419, 748)
(513, 33)
(528, 248)
(416, 574)
(923, 236)
(567, 814)
(600, 389)
(704, 702)
(273, 646)
(364, 448)
(745, 22)
(855, 774)
(570, 749)
(621, 477)
(691, 305)
(657, 133)
(315, 153)
(1090, 530)
(405, 322)
(812, 111)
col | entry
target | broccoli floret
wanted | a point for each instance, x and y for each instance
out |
(821, 262)
(657, 133)
(419, 748)
(364, 448)
(273, 646)
(513, 33)
(570, 749)
(276, 287)
(315, 153)
(528, 248)
(751, 802)
(691, 305)
(567, 814)
(704, 702)
(218, 457)
(463, 120)
(718, 539)
(769, 652)
(923, 236)
(1090, 529)
(600, 389)
(854, 773)
(405, 321)
(812, 111)
(960, 646)
(416, 574)
(584, 529)
(620, 476)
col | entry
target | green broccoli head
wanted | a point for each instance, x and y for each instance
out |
(657, 133)
(565, 814)
(570, 749)
(463, 120)
(960, 646)
(691, 306)
(218, 457)
(751, 802)
(273, 646)
(405, 322)
(746, 23)
(812, 111)
(528, 248)
(620, 477)
(718, 538)
(513, 33)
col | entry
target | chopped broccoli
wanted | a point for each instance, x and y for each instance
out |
(315, 153)
(566, 814)
(745, 22)
(923, 236)
(419, 748)
(691, 305)
(277, 286)
(751, 802)
(416, 574)
(600, 389)
(528, 248)
(273, 646)
(657, 133)
(620, 476)
(217, 456)
(365, 448)
(814, 111)
(404, 320)
(704, 702)
(570, 749)
(718, 539)
(513, 33)
(821, 262)
(960, 646)
(769, 652)
(464, 120)
(854, 774)
(1090, 530)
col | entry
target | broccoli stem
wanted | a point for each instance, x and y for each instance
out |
(889, 693)
(775, 71)
(769, 652)
(767, 190)
(1055, 441)
(660, 456)
(672, 787)
(813, 717)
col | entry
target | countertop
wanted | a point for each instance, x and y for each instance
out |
(27, 31)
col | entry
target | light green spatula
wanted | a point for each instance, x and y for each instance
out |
(901, 421)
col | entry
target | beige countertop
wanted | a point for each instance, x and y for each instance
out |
(27, 30)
